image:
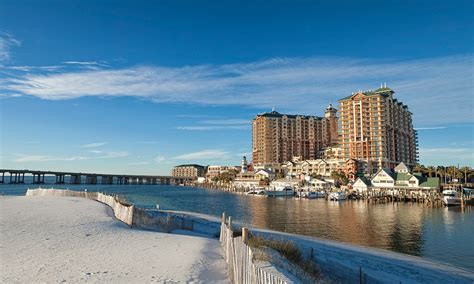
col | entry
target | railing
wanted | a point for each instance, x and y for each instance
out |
(240, 259)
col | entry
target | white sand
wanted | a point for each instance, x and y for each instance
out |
(67, 239)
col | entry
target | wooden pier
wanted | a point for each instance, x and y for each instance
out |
(18, 176)
(431, 198)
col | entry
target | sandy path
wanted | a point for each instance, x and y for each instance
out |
(67, 239)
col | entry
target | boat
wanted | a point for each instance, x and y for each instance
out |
(320, 194)
(306, 194)
(256, 192)
(451, 198)
(281, 191)
(336, 196)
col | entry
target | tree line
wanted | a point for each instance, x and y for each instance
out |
(446, 174)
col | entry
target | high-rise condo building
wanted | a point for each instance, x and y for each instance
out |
(277, 138)
(377, 129)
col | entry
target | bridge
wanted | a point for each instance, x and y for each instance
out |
(18, 176)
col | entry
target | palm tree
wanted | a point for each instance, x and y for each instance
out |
(465, 170)
(430, 170)
(442, 173)
(418, 168)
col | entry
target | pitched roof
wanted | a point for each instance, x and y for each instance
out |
(279, 115)
(385, 92)
(401, 166)
(401, 176)
(430, 182)
(387, 171)
(364, 180)
(270, 172)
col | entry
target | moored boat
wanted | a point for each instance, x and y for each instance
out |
(336, 196)
(256, 192)
(281, 191)
(451, 198)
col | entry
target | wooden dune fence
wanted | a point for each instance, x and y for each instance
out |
(239, 258)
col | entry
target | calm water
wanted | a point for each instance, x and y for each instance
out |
(441, 234)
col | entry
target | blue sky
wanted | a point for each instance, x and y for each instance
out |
(137, 87)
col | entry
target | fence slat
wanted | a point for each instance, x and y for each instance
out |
(239, 258)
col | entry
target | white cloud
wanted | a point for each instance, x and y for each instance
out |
(204, 155)
(40, 158)
(43, 158)
(93, 145)
(6, 43)
(303, 85)
(82, 62)
(159, 159)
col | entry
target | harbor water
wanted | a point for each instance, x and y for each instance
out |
(440, 234)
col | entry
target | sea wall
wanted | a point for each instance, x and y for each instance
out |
(347, 263)
(122, 211)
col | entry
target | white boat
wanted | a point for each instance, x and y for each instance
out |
(451, 198)
(306, 194)
(336, 196)
(256, 192)
(281, 191)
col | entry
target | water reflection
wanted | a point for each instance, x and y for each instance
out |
(383, 226)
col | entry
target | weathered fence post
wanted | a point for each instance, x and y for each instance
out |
(245, 235)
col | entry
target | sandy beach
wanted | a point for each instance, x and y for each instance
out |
(67, 239)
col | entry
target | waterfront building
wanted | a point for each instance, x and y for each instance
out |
(399, 178)
(189, 170)
(320, 167)
(265, 174)
(318, 184)
(377, 129)
(277, 138)
(246, 180)
(213, 171)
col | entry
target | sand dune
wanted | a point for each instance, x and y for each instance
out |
(66, 239)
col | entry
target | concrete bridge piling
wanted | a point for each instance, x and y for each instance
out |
(38, 177)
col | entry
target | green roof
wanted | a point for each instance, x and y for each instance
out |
(430, 182)
(380, 91)
(278, 115)
(401, 176)
(189, 165)
(384, 90)
(365, 180)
